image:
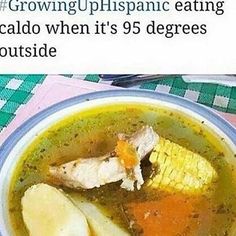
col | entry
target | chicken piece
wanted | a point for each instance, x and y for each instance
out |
(141, 143)
(94, 172)
(89, 173)
(180, 169)
(143, 140)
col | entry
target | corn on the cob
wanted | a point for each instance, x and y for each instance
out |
(180, 169)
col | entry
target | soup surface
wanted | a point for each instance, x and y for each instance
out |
(147, 211)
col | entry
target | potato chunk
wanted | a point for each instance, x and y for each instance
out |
(48, 212)
(100, 224)
(180, 169)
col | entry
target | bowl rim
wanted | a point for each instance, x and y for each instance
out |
(206, 112)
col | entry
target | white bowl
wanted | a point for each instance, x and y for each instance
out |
(13, 147)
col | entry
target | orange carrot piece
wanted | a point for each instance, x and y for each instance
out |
(169, 216)
(126, 154)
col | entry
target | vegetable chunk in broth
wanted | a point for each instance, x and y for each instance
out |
(147, 211)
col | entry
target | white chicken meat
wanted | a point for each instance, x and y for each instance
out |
(94, 172)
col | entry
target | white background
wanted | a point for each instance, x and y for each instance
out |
(213, 53)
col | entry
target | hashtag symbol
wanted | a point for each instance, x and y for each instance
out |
(3, 5)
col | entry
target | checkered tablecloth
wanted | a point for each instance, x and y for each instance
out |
(16, 91)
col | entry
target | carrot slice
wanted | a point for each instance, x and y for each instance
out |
(127, 154)
(169, 216)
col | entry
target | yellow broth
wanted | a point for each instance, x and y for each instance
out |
(93, 132)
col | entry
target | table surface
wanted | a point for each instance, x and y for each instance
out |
(17, 90)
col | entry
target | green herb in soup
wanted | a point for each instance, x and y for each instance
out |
(172, 176)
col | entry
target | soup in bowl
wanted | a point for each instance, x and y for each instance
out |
(120, 163)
